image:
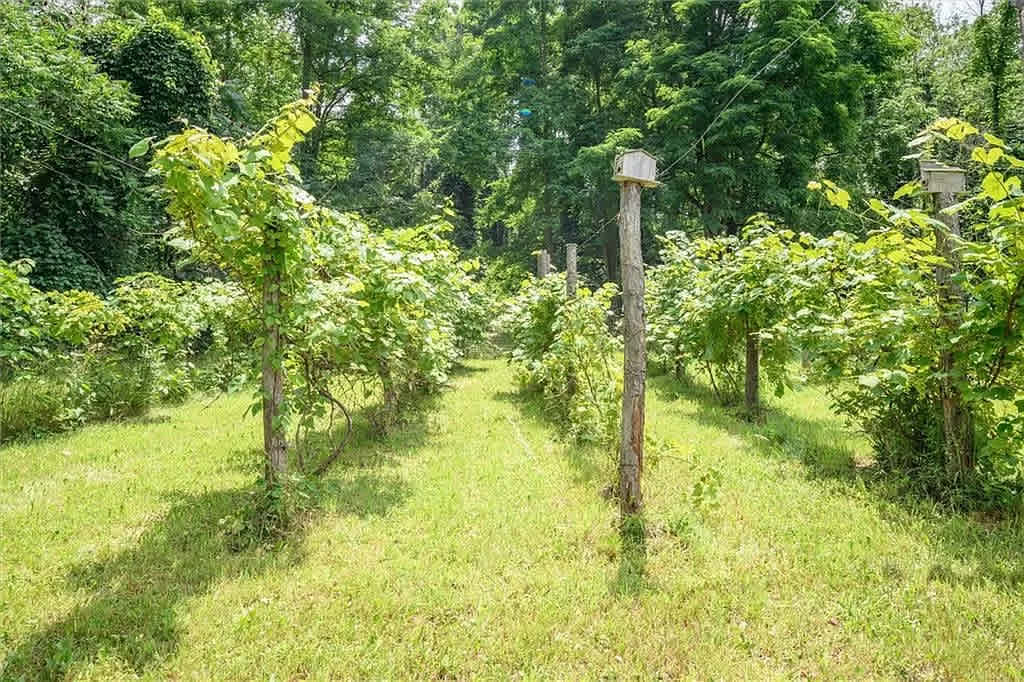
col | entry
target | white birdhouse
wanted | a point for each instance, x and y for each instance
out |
(939, 178)
(636, 165)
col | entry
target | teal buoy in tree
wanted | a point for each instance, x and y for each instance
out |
(525, 113)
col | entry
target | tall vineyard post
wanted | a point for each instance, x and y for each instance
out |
(543, 263)
(631, 447)
(570, 293)
(958, 420)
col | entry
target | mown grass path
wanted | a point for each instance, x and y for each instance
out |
(476, 544)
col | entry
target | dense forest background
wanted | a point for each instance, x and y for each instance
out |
(508, 112)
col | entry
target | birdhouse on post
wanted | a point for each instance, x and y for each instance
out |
(633, 170)
(942, 182)
(938, 178)
(636, 165)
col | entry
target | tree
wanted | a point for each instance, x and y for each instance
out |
(168, 68)
(68, 202)
(995, 40)
(759, 153)
(923, 338)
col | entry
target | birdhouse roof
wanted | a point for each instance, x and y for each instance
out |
(932, 166)
(640, 151)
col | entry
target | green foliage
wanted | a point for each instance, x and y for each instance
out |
(31, 405)
(388, 310)
(562, 347)
(996, 36)
(882, 341)
(705, 55)
(21, 337)
(168, 68)
(711, 293)
(74, 357)
(112, 385)
(392, 310)
(78, 207)
(70, 209)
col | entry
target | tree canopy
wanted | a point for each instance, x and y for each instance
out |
(511, 112)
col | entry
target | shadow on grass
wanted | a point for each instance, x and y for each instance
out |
(973, 549)
(134, 596)
(464, 370)
(365, 446)
(821, 445)
(585, 459)
(631, 578)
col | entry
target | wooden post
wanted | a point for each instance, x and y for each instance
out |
(275, 445)
(752, 379)
(633, 170)
(543, 263)
(631, 448)
(942, 182)
(570, 294)
(570, 270)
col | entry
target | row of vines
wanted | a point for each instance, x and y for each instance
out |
(912, 330)
(341, 309)
(334, 314)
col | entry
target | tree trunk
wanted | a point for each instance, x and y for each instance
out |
(957, 420)
(957, 423)
(631, 449)
(309, 147)
(275, 446)
(752, 388)
(570, 294)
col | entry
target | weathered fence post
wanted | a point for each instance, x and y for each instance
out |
(570, 293)
(634, 170)
(543, 263)
(570, 270)
(942, 182)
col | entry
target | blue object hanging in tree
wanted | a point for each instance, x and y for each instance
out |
(527, 81)
(525, 113)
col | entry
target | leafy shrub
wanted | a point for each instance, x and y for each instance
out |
(394, 312)
(715, 300)
(114, 356)
(337, 304)
(21, 336)
(924, 345)
(562, 348)
(221, 351)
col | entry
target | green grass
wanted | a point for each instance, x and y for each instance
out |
(475, 544)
